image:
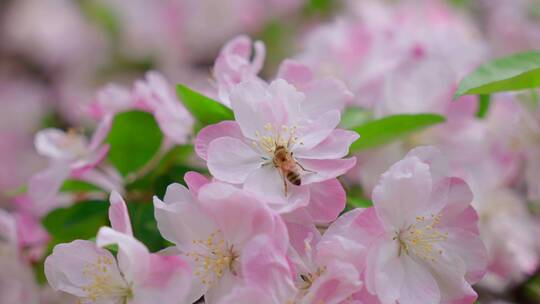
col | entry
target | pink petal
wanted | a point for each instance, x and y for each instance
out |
(327, 200)
(469, 248)
(64, 267)
(133, 256)
(83, 165)
(180, 218)
(336, 284)
(231, 160)
(168, 281)
(247, 295)
(295, 73)
(419, 286)
(336, 145)
(251, 102)
(385, 274)
(317, 170)
(349, 238)
(403, 193)
(101, 133)
(118, 214)
(267, 183)
(225, 202)
(324, 95)
(316, 131)
(209, 133)
(195, 181)
(45, 185)
(48, 143)
(157, 94)
(457, 211)
(434, 158)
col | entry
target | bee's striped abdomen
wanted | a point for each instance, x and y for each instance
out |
(294, 178)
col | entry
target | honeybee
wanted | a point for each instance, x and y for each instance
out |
(288, 167)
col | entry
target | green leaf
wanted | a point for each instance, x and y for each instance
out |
(102, 16)
(353, 117)
(145, 225)
(356, 202)
(80, 221)
(135, 138)
(483, 105)
(206, 110)
(516, 72)
(72, 185)
(379, 132)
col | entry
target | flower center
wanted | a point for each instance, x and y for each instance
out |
(308, 279)
(213, 257)
(103, 284)
(75, 144)
(273, 137)
(420, 238)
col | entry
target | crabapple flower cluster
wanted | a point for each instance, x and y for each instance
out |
(267, 226)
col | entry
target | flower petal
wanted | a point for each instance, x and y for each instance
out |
(295, 73)
(324, 95)
(316, 131)
(64, 267)
(317, 170)
(133, 256)
(180, 218)
(209, 133)
(168, 281)
(267, 183)
(195, 181)
(231, 160)
(327, 200)
(335, 285)
(118, 214)
(225, 202)
(336, 145)
(403, 193)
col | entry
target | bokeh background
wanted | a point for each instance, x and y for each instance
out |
(56, 54)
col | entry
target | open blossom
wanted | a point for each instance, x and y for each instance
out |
(282, 141)
(71, 155)
(213, 226)
(91, 273)
(419, 243)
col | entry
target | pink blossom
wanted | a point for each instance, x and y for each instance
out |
(157, 94)
(52, 32)
(213, 225)
(92, 274)
(234, 65)
(377, 45)
(309, 279)
(275, 116)
(509, 232)
(17, 283)
(154, 94)
(112, 99)
(71, 155)
(419, 243)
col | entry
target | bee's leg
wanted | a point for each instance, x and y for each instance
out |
(304, 169)
(284, 181)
